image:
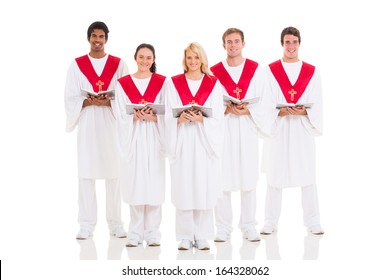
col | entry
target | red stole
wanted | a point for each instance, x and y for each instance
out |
(151, 92)
(98, 83)
(204, 91)
(236, 90)
(292, 93)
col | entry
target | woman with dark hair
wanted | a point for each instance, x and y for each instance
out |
(140, 133)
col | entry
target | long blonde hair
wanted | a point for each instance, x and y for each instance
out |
(199, 50)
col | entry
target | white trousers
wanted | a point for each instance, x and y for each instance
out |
(273, 206)
(194, 224)
(224, 212)
(87, 217)
(145, 222)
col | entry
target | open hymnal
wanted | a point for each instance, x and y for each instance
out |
(206, 111)
(110, 93)
(252, 100)
(282, 105)
(158, 109)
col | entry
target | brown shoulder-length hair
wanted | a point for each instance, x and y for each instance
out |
(153, 68)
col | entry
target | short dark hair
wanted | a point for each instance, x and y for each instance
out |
(153, 68)
(232, 30)
(290, 31)
(98, 25)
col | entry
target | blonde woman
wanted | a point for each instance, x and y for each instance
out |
(193, 143)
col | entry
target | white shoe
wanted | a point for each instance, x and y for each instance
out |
(84, 234)
(133, 243)
(221, 237)
(317, 230)
(267, 230)
(251, 235)
(185, 244)
(119, 232)
(153, 242)
(202, 244)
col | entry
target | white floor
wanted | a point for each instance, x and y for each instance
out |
(354, 213)
(291, 241)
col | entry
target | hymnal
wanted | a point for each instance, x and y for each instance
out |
(158, 109)
(110, 93)
(282, 105)
(206, 111)
(252, 100)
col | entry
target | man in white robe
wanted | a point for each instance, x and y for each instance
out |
(242, 79)
(97, 136)
(289, 154)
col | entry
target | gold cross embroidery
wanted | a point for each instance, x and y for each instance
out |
(292, 92)
(99, 84)
(237, 91)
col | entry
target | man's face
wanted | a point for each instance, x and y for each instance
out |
(290, 48)
(97, 40)
(233, 44)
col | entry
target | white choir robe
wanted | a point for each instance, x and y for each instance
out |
(241, 145)
(98, 156)
(194, 151)
(289, 154)
(141, 144)
(97, 137)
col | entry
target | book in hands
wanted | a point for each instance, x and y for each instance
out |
(227, 98)
(283, 105)
(110, 93)
(206, 111)
(158, 109)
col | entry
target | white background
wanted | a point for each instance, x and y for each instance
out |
(347, 40)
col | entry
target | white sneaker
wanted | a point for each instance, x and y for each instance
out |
(153, 242)
(251, 235)
(202, 244)
(119, 232)
(221, 237)
(84, 234)
(133, 243)
(317, 230)
(267, 230)
(185, 244)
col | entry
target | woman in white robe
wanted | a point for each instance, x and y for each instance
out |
(142, 176)
(194, 144)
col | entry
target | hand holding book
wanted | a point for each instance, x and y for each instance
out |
(206, 111)
(101, 95)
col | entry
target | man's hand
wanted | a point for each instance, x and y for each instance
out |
(297, 110)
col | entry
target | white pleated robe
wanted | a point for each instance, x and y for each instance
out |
(241, 168)
(194, 151)
(289, 154)
(141, 145)
(98, 156)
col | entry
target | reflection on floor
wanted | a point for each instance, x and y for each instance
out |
(222, 250)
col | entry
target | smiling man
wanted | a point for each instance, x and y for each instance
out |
(242, 79)
(97, 151)
(289, 154)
